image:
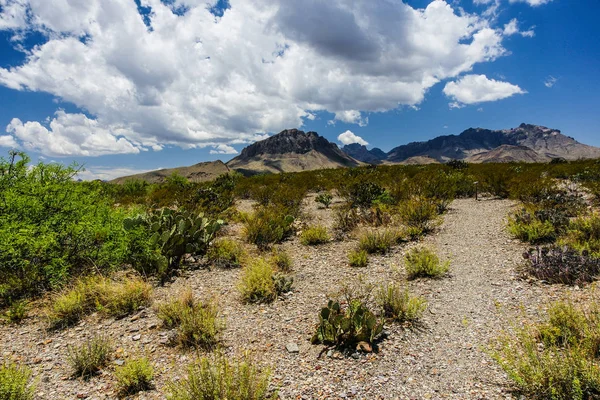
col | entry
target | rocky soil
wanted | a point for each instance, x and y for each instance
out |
(443, 357)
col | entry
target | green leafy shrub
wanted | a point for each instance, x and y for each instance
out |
(219, 378)
(584, 234)
(226, 253)
(375, 242)
(15, 382)
(324, 199)
(344, 324)
(267, 226)
(134, 376)
(424, 263)
(314, 235)
(418, 213)
(398, 305)
(197, 323)
(17, 311)
(283, 283)
(362, 194)
(97, 293)
(358, 258)
(529, 229)
(256, 283)
(554, 359)
(281, 260)
(90, 357)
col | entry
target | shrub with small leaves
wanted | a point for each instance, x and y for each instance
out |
(283, 283)
(197, 322)
(324, 199)
(561, 265)
(421, 262)
(134, 376)
(268, 226)
(17, 312)
(15, 382)
(345, 219)
(219, 378)
(358, 258)
(314, 235)
(527, 228)
(377, 242)
(419, 213)
(256, 282)
(225, 253)
(90, 357)
(398, 305)
(281, 260)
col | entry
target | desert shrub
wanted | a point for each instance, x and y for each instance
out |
(348, 320)
(225, 253)
(345, 219)
(15, 382)
(324, 199)
(457, 164)
(256, 283)
(561, 264)
(16, 312)
(267, 226)
(134, 376)
(90, 357)
(281, 260)
(314, 235)
(358, 258)
(528, 228)
(584, 234)
(219, 378)
(197, 322)
(421, 262)
(398, 305)
(554, 359)
(96, 293)
(375, 242)
(283, 283)
(495, 180)
(418, 213)
(362, 194)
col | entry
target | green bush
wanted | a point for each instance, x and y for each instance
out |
(554, 359)
(281, 260)
(418, 213)
(424, 263)
(375, 242)
(17, 312)
(97, 293)
(219, 378)
(531, 230)
(345, 219)
(358, 258)
(15, 382)
(90, 357)
(197, 323)
(134, 376)
(314, 235)
(256, 282)
(324, 199)
(267, 226)
(584, 234)
(398, 305)
(226, 253)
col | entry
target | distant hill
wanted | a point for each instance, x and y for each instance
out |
(291, 151)
(201, 172)
(526, 143)
(361, 153)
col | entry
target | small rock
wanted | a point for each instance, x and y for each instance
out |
(355, 355)
(135, 338)
(119, 362)
(292, 348)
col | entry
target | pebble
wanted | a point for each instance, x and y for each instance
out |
(292, 348)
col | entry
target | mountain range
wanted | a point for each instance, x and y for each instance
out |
(293, 150)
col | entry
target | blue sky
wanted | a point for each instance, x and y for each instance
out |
(124, 86)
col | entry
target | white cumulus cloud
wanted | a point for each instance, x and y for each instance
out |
(349, 137)
(192, 79)
(223, 149)
(8, 141)
(473, 89)
(512, 28)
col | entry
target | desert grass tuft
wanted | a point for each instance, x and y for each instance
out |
(422, 262)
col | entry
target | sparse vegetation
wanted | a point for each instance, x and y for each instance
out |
(134, 376)
(16, 382)
(358, 258)
(259, 282)
(377, 242)
(398, 305)
(197, 323)
(219, 378)
(324, 199)
(422, 262)
(314, 235)
(561, 265)
(281, 260)
(419, 214)
(267, 226)
(226, 253)
(90, 357)
(17, 312)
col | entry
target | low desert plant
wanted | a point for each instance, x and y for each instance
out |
(421, 262)
(564, 265)
(219, 378)
(314, 235)
(418, 213)
(134, 376)
(91, 356)
(375, 242)
(225, 253)
(267, 226)
(584, 234)
(358, 258)
(281, 260)
(345, 219)
(197, 322)
(15, 382)
(324, 199)
(283, 283)
(115, 298)
(527, 227)
(554, 359)
(17, 312)
(256, 283)
(398, 305)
